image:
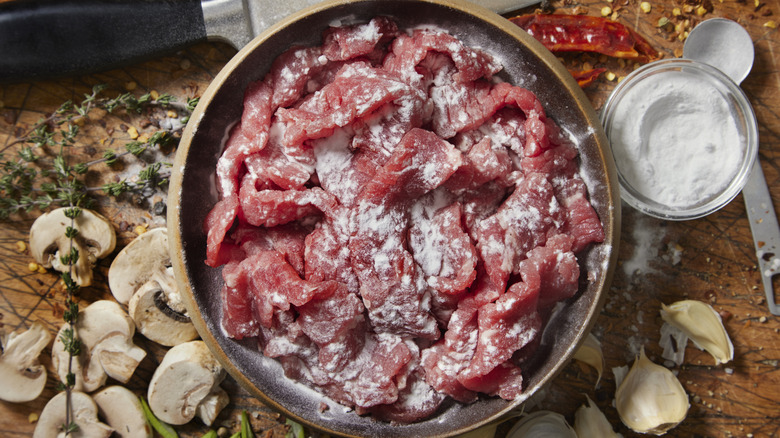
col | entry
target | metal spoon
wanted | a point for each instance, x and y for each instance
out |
(727, 46)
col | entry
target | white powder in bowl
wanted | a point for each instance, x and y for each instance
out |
(675, 139)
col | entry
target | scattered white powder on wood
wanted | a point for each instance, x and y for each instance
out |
(675, 139)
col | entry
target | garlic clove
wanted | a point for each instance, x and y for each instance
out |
(651, 399)
(542, 424)
(591, 354)
(590, 422)
(702, 324)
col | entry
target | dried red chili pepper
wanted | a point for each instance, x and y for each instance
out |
(568, 33)
(586, 77)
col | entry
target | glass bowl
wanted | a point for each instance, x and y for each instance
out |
(684, 138)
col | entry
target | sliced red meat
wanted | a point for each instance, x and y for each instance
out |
(553, 268)
(273, 167)
(291, 71)
(461, 107)
(219, 220)
(249, 137)
(420, 163)
(505, 381)
(275, 284)
(445, 359)
(409, 51)
(270, 208)
(358, 90)
(443, 250)
(334, 320)
(416, 400)
(347, 42)
(505, 326)
(520, 224)
(288, 240)
(326, 254)
(237, 315)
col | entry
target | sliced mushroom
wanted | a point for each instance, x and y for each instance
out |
(107, 349)
(187, 377)
(142, 278)
(85, 416)
(212, 405)
(156, 320)
(22, 376)
(95, 239)
(122, 410)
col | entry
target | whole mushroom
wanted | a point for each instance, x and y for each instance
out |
(22, 376)
(186, 384)
(107, 349)
(85, 416)
(142, 278)
(95, 239)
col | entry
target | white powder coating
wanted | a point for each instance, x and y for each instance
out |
(675, 139)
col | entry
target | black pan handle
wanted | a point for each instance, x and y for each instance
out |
(45, 38)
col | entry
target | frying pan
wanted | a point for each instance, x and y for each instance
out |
(192, 194)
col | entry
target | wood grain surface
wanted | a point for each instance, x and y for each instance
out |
(710, 259)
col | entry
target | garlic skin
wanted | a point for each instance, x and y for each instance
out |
(651, 399)
(591, 354)
(703, 325)
(590, 422)
(542, 424)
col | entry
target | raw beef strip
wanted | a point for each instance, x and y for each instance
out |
(219, 220)
(461, 107)
(357, 90)
(559, 165)
(326, 254)
(334, 320)
(287, 240)
(408, 51)
(420, 163)
(275, 284)
(505, 381)
(445, 359)
(553, 269)
(291, 72)
(482, 163)
(237, 315)
(417, 399)
(520, 224)
(347, 42)
(270, 208)
(443, 250)
(505, 326)
(249, 137)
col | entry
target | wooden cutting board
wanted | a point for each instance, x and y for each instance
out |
(710, 259)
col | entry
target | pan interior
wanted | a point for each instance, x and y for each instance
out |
(525, 63)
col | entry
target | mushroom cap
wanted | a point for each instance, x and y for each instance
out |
(122, 410)
(186, 376)
(22, 376)
(85, 415)
(143, 259)
(95, 240)
(107, 349)
(155, 320)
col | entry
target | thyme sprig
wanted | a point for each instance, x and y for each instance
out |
(32, 181)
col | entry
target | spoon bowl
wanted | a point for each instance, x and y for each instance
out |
(723, 44)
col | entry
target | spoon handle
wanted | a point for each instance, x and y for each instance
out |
(765, 229)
